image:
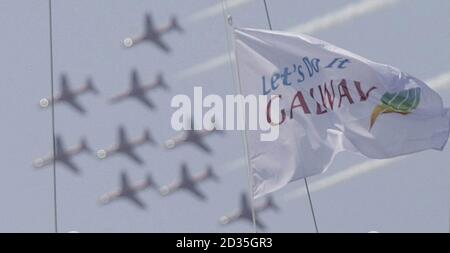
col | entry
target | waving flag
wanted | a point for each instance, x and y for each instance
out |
(330, 100)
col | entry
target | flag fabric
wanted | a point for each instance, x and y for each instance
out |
(330, 100)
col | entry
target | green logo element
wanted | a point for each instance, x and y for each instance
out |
(402, 102)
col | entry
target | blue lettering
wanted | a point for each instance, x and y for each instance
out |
(265, 92)
(285, 76)
(311, 65)
(301, 74)
(273, 81)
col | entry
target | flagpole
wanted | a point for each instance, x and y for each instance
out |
(235, 70)
(305, 178)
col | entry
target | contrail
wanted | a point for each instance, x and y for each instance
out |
(212, 63)
(343, 15)
(239, 163)
(438, 82)
(342, 176)
(215, 9)
(326, 21)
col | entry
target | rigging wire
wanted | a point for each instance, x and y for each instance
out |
(55, 207)
(305, 179)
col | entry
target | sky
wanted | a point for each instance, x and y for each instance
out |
(411, 194)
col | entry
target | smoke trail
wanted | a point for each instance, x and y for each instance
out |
(215, 10)
(343, 15)
(342, 176)
(326, 21)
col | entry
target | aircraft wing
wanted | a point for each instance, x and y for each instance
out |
(133, 198)
(158, 42)
(69, 164)
(64, 84)
(76, 105)
(135, 83)
(194, 190)
(147, 102)
(259, 224)
(249, 218)
(134, 157)
(202, 145)
(59, 145)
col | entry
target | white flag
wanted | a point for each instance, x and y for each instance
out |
(331, 100)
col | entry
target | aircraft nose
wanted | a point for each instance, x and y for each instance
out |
(103, 200)
(164, 190)
(224, 220)
(128, 42)
(101, 154)
(38, 163)
(169, 144)
(44, 103)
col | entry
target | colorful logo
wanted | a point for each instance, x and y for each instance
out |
(402, 102)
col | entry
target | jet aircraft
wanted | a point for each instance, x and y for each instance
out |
(128, 191)
(126, 146)
(245, 211)
(69, 96)
(191, 136)
(138, 91)
(190, 183)
(63, 155)
(154, 34)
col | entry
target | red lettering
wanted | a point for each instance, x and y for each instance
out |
(302, 103)
(327, 94)
(363, 95)
(344, 92)
(319, 109)
(269, 109)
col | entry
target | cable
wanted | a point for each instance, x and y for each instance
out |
(267, 15)
(306, 181)
(311, 205)
(55, 210)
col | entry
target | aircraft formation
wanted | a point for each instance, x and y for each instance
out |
(139, 91)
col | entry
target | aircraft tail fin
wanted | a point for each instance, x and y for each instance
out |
(215, 126)
(174, 25)
(244, 201)
(150, 182)
(217, 131)
(211, 174)
(148, 137)
(161, 82)
(84, 145)
(90, 86)
(271, 204)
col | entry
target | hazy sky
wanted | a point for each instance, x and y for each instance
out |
(409, 195)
